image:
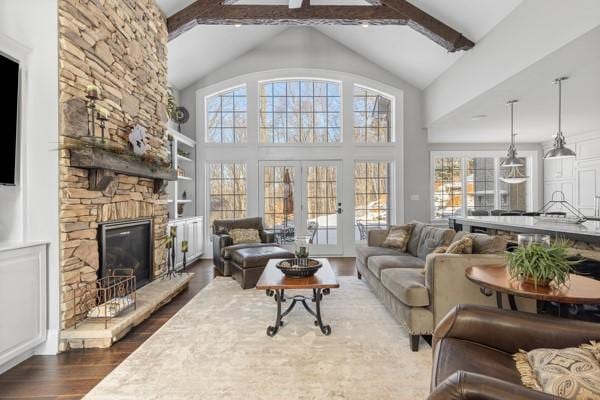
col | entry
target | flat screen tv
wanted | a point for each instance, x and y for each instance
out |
(9, 115)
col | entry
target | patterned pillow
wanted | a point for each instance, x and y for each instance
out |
(462, 246)
(239, 236)
(572, 373)
(398, 236)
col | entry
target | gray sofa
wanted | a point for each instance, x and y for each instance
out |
(420, 288)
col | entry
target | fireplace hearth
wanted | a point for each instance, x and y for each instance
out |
(127, 244)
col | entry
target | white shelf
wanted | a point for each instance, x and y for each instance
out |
(184, 158)
(183, 201)
(184, 178)
(180, 137)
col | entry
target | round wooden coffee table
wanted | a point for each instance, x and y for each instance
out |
(578, 290)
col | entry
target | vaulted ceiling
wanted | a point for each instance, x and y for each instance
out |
(400, 49)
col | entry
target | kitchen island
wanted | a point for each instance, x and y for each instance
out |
(583, 238)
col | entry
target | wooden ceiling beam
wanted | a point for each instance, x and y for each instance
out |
(390, 12)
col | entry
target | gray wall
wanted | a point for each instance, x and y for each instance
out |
(303, 47)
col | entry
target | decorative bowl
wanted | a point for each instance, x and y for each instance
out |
(299, 267)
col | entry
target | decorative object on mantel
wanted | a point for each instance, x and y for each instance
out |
(92, 94)
(102, 114)
(540, 264)
(559, 201)
(559, 150)
(137, 138)
(97, 156)
(109, 297)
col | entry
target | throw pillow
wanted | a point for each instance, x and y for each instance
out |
(239, 236)
(432, 238)
(398, 236)
(462, 246)
(572, 373)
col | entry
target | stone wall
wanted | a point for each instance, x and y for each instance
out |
(119, 46)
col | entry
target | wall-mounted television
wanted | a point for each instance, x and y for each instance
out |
(9, 119)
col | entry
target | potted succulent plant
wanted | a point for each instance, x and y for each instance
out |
(540, 264)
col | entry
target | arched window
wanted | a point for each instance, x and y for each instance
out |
(372, 116)
(227, 116)
(300, 111)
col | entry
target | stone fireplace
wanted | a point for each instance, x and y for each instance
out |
(120, 47)
(127, 245)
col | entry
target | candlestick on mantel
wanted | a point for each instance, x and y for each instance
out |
(92, 92)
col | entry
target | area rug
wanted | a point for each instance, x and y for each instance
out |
(216, 347)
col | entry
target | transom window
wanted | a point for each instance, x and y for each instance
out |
(227, 190)
(372, 116)
(372, 201)
(227, 117)
(300, 111)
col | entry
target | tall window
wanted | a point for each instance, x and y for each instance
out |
(227, 117)
(372, 116)
(279, 205)
(472, 185)
(481, 184)
(300, 111)
(447, 187)
(227, 190)
(371, 197)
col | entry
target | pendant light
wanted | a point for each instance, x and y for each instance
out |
(559, 150)
(511, 159)
(513, 162)
(514, 176)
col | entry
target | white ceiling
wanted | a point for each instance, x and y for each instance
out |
(399, 49)
(536, 112)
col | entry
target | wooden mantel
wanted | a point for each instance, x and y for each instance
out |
(104, 166)
(386, 12)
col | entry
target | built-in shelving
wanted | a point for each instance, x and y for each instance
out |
(185, 183)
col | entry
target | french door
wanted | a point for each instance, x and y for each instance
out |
(303, 198)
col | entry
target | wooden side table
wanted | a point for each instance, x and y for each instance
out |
(578, 290)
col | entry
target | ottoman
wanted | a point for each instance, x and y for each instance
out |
(247, 264)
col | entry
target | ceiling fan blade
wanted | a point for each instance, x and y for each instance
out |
(295, 3)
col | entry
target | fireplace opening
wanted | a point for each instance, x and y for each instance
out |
(127, 244)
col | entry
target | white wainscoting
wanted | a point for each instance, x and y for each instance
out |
(23, 301)
(578, 178)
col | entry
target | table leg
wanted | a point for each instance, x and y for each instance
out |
(272, 330)
(512, 302)
(325, 329)
(499, 300)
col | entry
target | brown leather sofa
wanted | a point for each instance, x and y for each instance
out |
(473, 348)
(223, 245)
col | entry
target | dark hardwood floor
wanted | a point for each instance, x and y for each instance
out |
(72, 374)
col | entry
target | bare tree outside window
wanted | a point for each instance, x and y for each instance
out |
(227, 191)
(372, 116)
(300, 111)
(227, 117)
(372, 201)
